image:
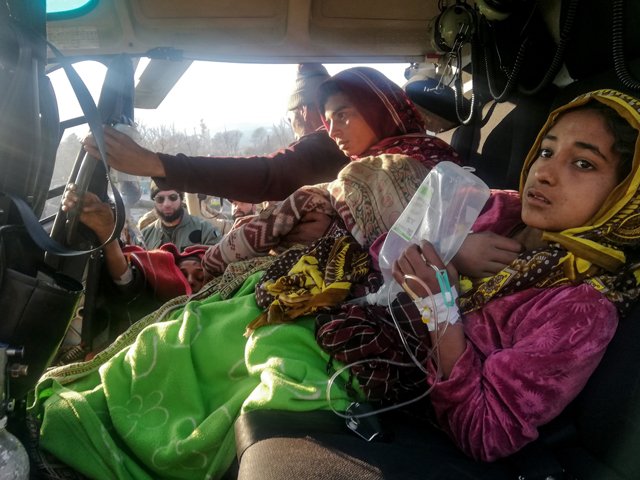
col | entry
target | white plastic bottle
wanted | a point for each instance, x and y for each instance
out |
(14, 461)
(399, 237)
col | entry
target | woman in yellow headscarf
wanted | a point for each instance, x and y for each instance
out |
(520, 345)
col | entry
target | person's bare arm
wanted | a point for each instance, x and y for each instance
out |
(97, 215)
(126, 155)
(486, 253)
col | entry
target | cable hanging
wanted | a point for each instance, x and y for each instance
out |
(617, 47)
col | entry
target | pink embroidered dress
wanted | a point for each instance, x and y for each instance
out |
(534, 332)
(528, 355)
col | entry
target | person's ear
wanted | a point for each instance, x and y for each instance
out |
(304, 111)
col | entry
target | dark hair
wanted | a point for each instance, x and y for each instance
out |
(326, 90)
(624, 135)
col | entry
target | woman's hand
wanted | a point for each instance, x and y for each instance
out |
(125, 155)
(448, 339)
(417, 260)
(312, 226)
(486, 253)
(94, 213)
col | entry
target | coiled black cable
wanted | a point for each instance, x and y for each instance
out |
(558, 58)
(617, 46)
(512, 77)
(465, 118)
(489, 63)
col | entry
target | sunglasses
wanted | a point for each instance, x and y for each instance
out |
(161, 198)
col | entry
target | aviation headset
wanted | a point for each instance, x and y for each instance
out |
(456, 24)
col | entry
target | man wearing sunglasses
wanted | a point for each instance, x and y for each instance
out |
(174, 224)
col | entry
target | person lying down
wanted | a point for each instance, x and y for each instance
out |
(373, 122)
(161, 402)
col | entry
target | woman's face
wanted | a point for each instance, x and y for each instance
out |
(347, 127)
(194, 273)
(575, 171)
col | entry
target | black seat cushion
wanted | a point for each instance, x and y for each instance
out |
(285, 445)
(607, 412)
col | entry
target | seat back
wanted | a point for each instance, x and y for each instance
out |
(606, 414)
(498, 148)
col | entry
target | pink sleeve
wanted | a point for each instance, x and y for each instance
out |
(493, 406)
(501, 213)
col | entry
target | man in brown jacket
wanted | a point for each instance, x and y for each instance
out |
(313, 158)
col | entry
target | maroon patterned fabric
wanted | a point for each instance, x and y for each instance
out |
(429, 151)
(264, 232)
(367, 333)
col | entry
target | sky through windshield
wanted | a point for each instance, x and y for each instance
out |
(222, 95)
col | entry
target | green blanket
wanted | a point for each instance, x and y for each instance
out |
(164, 405)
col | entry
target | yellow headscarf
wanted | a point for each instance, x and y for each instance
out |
(596, 253)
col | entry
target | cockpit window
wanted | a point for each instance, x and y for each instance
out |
(59, 9)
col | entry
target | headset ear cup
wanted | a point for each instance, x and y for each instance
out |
(438, 42)
(453, 21)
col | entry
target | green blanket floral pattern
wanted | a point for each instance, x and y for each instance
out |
(161, 402)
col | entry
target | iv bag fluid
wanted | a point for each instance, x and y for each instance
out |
(442, 211)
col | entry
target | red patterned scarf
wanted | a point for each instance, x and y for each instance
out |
(390, 114)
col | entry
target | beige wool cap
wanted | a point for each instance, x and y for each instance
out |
(308, 79)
